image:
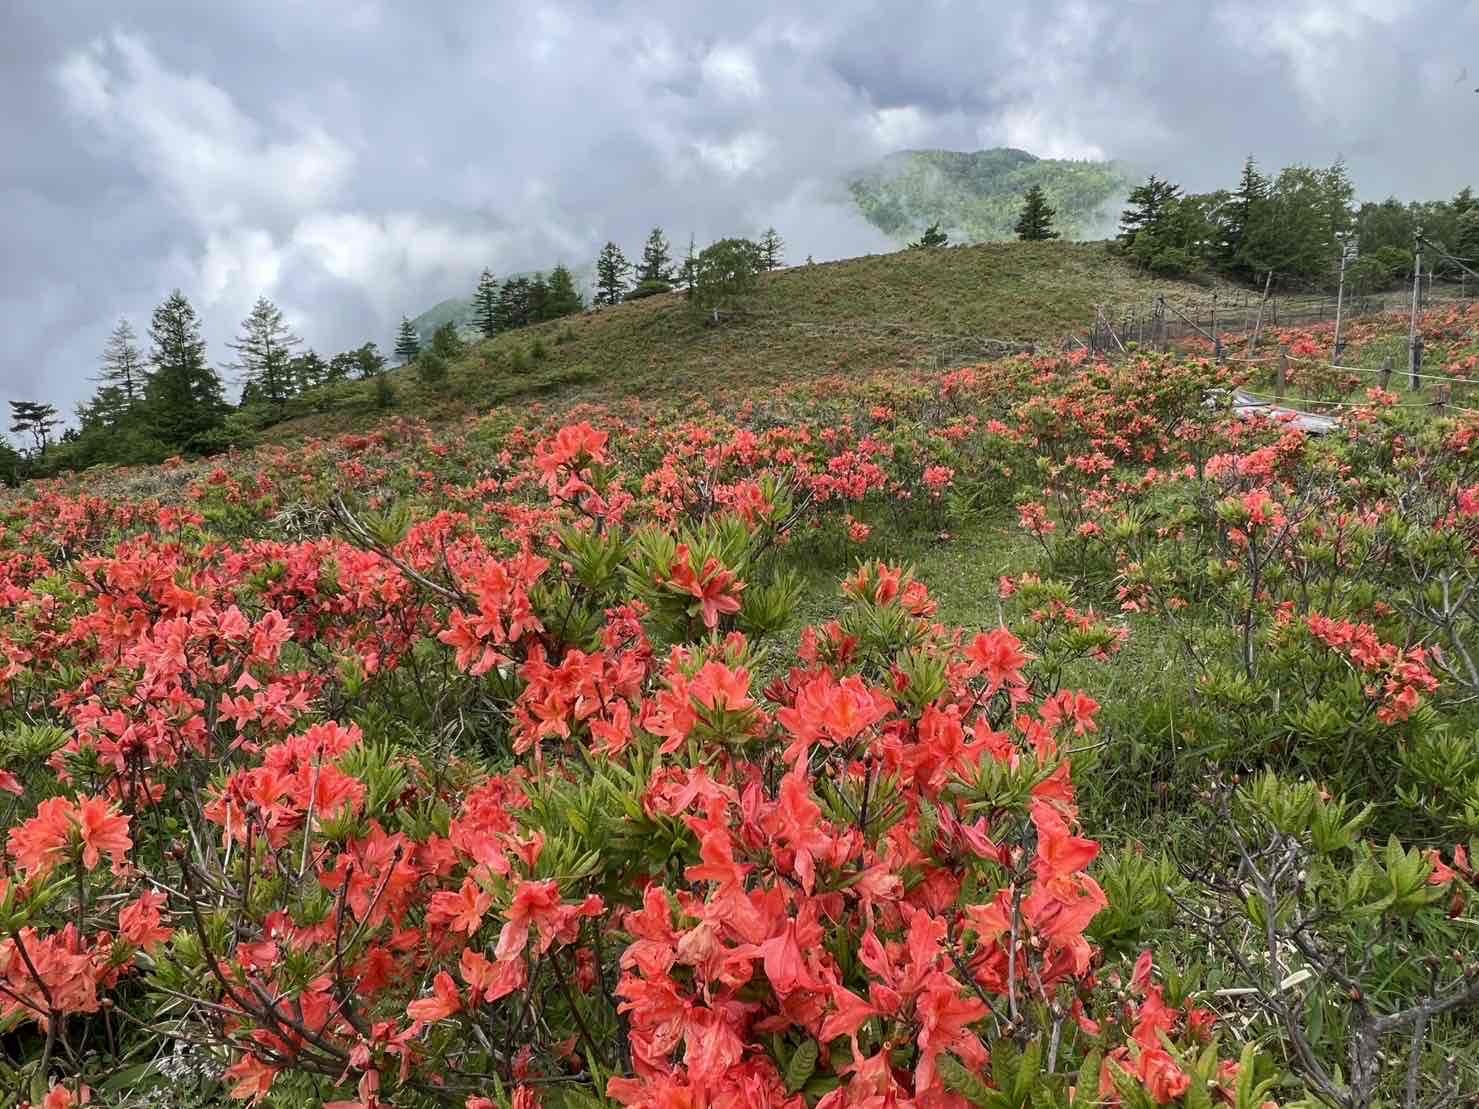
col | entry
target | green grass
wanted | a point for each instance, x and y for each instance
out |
(910, 309)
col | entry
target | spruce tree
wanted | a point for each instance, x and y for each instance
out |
(123, 370)
(563, 299)
(407, 342)
(184, 397)
(657, 260)
(264, 354)
(771, 246)
(1035, 224)
(34, 419)
(612, 268)
(485, 305)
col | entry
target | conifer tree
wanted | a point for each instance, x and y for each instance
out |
(34, 419)
(563, 299)
(1245, 220)
(538, 299)
(446, 342)
(932, 237)
(184, 396)
(368, 361)
(407, 342)
(1035, 224)
(689, 271)
(1147, 205)
(264, 354)
(307, 371)
(657, 260)
(341, 367)
(513, 304)
(485, 305)
(612, 268)
(771, 246)
(123, 369)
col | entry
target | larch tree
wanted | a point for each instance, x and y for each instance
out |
(264, 354)
(657, 260)
(184, 397)
(124, 374)
(771, 248)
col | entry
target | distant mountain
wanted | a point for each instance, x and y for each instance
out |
(977, 196)
(458, 310)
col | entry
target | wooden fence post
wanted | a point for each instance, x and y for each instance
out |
(1415, 359)
(1283, 371)
(1386, 371)
(1441, 396)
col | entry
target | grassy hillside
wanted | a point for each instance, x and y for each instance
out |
(909, 308)
(977, 196)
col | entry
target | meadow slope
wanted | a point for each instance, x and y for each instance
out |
(910, 308)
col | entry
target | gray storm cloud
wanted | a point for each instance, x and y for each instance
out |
(357, 160)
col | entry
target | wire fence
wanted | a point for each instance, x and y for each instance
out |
(1236, 317)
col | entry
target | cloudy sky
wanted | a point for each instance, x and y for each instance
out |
(359, 159)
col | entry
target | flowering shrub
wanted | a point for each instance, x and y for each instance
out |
(490, 767)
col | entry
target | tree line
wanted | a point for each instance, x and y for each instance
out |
(1295, 225)
(163, 397)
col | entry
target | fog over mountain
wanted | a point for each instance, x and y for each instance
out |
(356, 160)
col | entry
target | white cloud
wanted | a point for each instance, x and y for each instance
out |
(737, 156)
(898, 128)
(731, 72)
(236, 260)
(219, 164)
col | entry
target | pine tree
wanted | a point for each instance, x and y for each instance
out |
(36, 420)
(485, 305)
(407, 342)
(123, 371)
(563, 299)
(264, 354)
(612, 268)
(689, 273)
(657, 261)
(932, 237)
(1035, 224)
(368, 361)
(771, 246)
(184, 397)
